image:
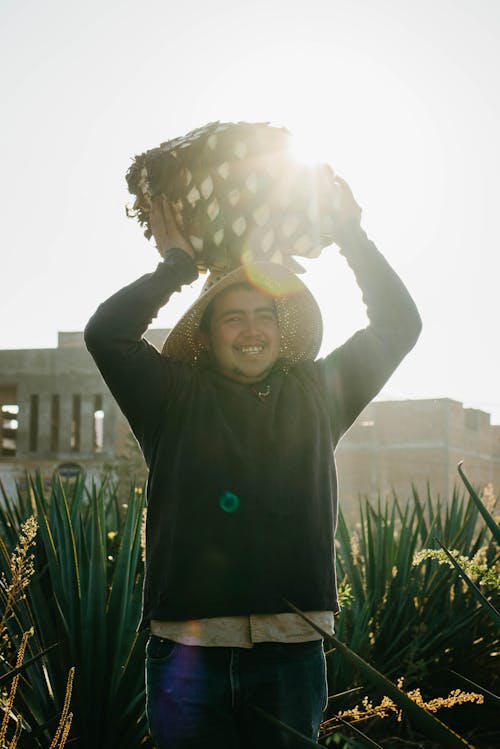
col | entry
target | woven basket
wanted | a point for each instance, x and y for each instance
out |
(236, 193)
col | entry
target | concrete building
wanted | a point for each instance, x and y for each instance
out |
(57, 413)
(396, 444)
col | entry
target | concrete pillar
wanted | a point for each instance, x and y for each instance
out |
(110, 420)
(23, 430)
(44, 423)
(87, 426)
(65, 417)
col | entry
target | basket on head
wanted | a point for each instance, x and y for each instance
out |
(236, 191)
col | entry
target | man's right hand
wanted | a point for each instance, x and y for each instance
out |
(164, 228)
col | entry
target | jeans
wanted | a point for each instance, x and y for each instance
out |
(206, 696)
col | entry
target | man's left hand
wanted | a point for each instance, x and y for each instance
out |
(341, 208)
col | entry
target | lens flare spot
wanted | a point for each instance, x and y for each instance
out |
(229, 502)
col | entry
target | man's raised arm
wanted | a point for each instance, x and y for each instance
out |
(356, 371)
(137, 375)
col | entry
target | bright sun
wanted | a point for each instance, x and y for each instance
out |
(307, 148)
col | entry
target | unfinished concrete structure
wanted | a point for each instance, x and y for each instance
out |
(56, 411)
(396, 444)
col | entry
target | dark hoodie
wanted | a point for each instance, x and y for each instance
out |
(242, 492)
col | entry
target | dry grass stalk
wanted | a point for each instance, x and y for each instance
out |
(387, 707)
(66, 730)
(17, 733)
(7, 707)
(489, 498)
(477, 568)
(21, 569)
(66, 718)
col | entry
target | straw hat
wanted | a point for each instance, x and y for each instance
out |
(299, 316)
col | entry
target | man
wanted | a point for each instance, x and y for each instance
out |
(238, 424)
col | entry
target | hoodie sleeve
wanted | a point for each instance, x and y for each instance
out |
(137, 375)
(356, 371)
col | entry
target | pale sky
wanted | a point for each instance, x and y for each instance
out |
(402, 98)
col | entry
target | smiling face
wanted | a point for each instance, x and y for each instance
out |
(243, 336)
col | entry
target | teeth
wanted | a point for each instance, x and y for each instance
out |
(251, 349)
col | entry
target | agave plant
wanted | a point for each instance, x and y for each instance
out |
(421, 718)
(85, 601)
(411, 621)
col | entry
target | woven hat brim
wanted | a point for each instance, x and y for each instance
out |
(299, 316)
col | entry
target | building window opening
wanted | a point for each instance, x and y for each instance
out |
(98, 424)
(34, 406)
(76, 423)
(9, 423)
(55, 410)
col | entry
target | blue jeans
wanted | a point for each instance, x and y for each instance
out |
(206, 696)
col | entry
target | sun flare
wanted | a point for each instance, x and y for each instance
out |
(308, 149)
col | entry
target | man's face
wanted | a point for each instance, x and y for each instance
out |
(244, 337)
